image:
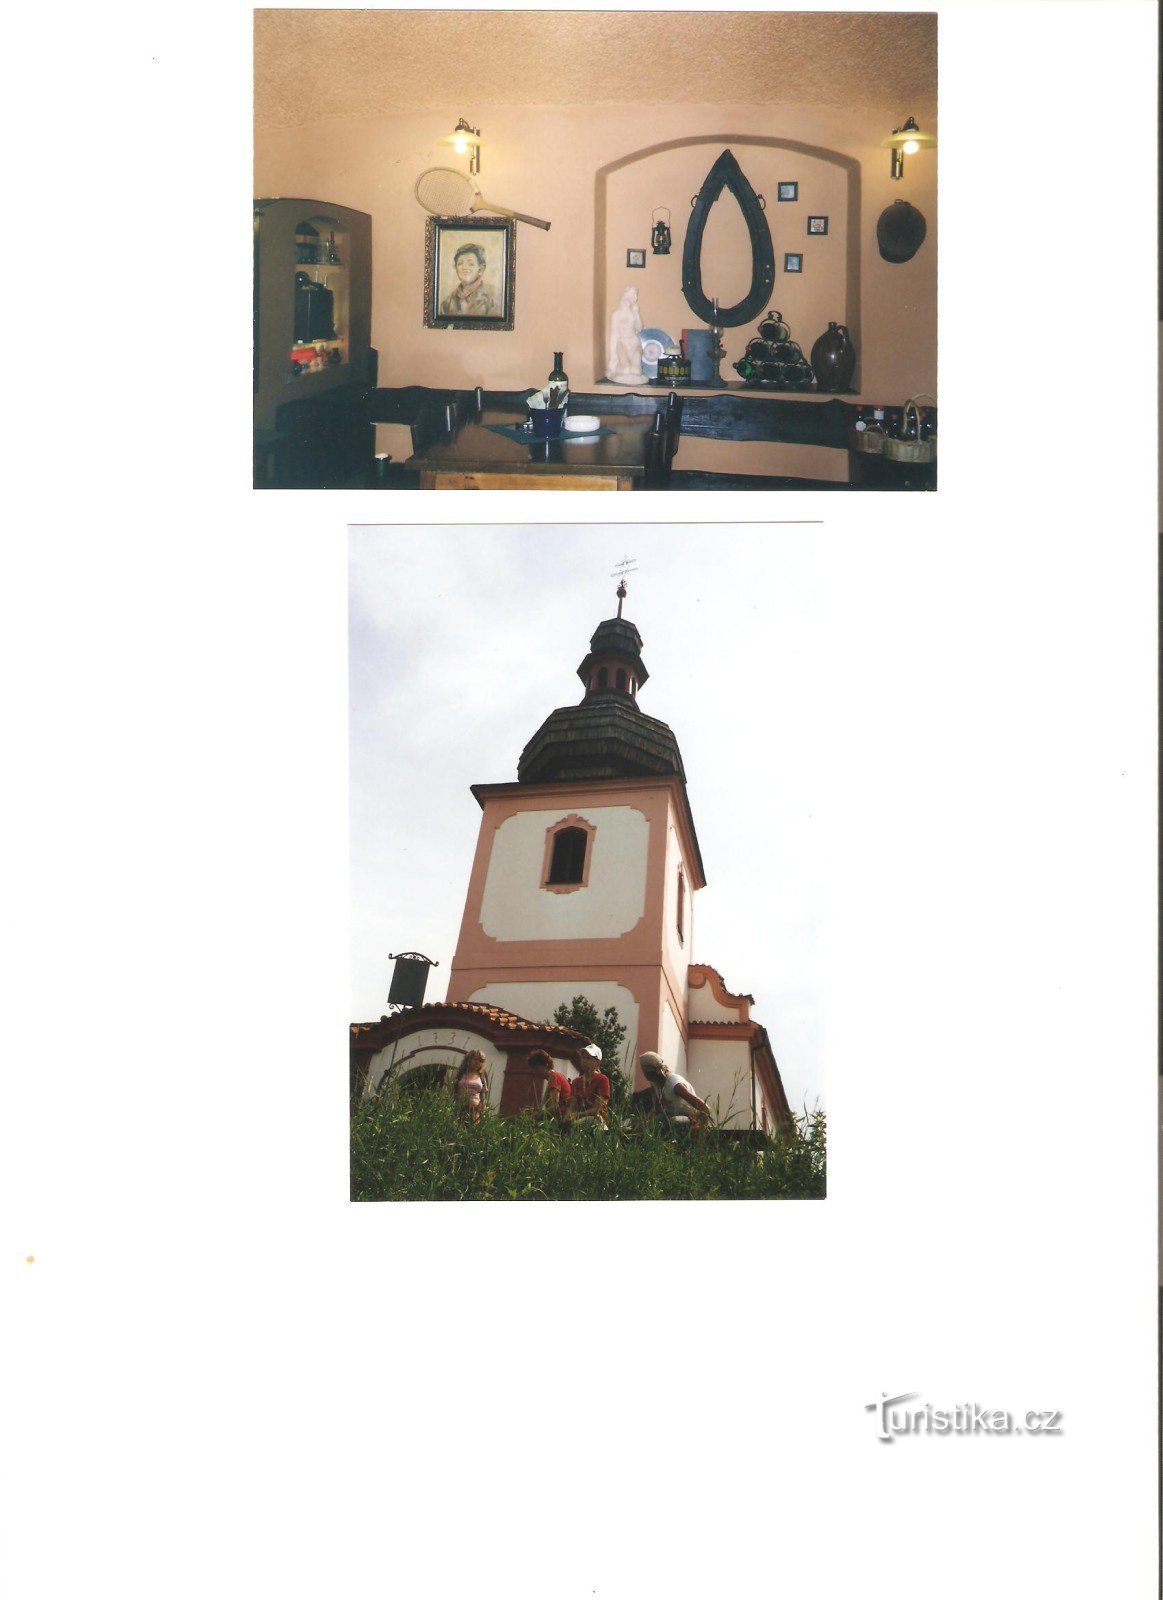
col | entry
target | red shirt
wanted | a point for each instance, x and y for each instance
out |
(554, 1080)
(586, 1095)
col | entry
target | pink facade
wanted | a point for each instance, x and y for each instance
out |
(641, 958)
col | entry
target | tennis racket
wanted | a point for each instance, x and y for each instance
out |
(448, 193)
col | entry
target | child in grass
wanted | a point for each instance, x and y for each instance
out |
(555, 1095)
(471, 1085)
(674, 1097)
(590, 1093)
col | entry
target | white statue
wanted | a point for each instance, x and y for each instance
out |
(624, 352)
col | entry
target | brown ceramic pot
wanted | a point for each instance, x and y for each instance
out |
(834, 359)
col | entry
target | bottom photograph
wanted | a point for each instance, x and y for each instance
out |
(589, 1043)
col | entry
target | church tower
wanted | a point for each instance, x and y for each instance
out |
(586, 868)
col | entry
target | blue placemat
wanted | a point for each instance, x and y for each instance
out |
(514, 430)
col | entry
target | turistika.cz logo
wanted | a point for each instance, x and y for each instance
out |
(894, 1418)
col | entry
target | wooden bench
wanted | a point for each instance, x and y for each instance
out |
(744, 416)
(330, 442)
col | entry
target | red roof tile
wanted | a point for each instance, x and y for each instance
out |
(469, 1010)
(705, 966)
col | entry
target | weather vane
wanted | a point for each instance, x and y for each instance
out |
(625, 566)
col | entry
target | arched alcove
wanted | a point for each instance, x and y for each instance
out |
(670, 173)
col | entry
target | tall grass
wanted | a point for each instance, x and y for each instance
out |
(419, 1147)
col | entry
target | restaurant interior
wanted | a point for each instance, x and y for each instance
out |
(736, 288)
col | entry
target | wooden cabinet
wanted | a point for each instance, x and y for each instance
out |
(312, 339)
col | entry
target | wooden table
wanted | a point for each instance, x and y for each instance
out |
(476, 458)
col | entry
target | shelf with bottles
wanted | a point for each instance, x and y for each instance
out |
(317, 244)
(731, 386)
(321, 299)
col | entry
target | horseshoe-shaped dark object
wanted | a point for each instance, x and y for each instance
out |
(727, 174)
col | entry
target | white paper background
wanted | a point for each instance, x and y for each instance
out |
(222, 1377)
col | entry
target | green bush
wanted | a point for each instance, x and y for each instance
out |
(420, 1147)
(603, 1029)
(432, 1075)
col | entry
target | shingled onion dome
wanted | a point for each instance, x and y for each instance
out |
(606, 736)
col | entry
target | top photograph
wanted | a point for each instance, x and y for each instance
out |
(595, 250)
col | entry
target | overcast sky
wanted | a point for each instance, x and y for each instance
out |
(462, 642)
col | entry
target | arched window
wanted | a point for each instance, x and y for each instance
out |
(680, 901)
(620, 681)
(569, 853)
(603, 677)
(567, 863)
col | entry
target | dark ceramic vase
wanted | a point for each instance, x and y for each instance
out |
(834, 359)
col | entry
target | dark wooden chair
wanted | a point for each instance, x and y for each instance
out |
(662, 444)
(418, 409)
(673, 414)
(425, 426)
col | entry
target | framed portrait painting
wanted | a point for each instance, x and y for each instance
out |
(469, 272)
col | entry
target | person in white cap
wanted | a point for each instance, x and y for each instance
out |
(675, 1096)
(590, 1095)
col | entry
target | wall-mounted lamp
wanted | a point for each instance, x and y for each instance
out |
(465, 139)
(660, 233)
(906, 141)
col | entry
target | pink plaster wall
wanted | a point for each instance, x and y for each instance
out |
(672, 176)
(480, 958)
(547, 161)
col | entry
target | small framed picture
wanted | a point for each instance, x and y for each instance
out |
(817, 224)
(636, 258)
(787, 191)
(469, 273)
(793, 263)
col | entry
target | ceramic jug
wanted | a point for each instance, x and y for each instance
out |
(833, 359)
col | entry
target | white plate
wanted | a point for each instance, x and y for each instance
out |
(655, 342)
(582, 424)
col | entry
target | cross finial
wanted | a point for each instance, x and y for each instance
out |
(626, 565)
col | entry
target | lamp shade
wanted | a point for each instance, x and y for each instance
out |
(909, 138)
(462, 138)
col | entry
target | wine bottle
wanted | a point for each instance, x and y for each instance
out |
(558, 375)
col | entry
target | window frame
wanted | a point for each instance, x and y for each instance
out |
(562, 825)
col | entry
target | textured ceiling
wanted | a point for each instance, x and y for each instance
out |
(313, 66)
